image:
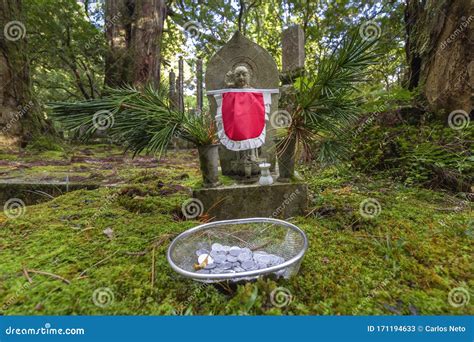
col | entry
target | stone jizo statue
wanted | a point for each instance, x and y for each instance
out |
(242, 85)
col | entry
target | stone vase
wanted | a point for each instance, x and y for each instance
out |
(266, 177)
(209, 164)
(286, 151)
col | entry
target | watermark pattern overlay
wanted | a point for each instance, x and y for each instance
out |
(199, 288)
(368, 121)
(457, 32)
(103, 120)
(370, 208)
(103, 208)
(97, 38)
(370, 31)
(470, 229)
(15, 117)
(281, 297)
(280, 119)
(192, 29)
(370, 296)
(13, 299)
(103, 297)
(458, 119)
(277, 213)
(14, 208)
(192, 208)
(285, 203)
(458, 297)
(14, 30)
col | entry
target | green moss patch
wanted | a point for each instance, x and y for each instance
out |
(404, 260)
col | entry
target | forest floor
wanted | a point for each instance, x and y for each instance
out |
(415, 257)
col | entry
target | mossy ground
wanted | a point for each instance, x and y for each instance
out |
(98, 163)
(403, 261)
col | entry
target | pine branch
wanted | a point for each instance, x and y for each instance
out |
(139, 120)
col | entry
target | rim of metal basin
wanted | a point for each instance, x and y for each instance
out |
(246, 274)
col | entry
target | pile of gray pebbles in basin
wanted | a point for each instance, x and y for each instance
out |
(233, 259)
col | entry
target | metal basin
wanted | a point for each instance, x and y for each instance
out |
(259, 235)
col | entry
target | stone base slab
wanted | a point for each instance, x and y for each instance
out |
(279, 200)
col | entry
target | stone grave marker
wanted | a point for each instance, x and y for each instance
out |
(242, 63)
(242, 66)
(293, 54)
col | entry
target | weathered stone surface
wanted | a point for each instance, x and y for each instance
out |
(293, 54)
(264, 74)
(199, 85)
(279, 200)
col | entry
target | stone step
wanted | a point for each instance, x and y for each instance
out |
(279, 200)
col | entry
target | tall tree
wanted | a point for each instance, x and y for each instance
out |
(19, 115)
(439, 52)
(134, 41)
(65, 49)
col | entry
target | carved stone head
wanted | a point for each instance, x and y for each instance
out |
(242, 77)
(239, 77)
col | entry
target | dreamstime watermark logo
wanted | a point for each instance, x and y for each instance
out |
(192, 29)
(369, 120)
(280, 119)
(199, 288)
(458, 119)
(14, 30)
(103, 297)
(370, 296)
(370, 208)
(285, 203)
(470, 229)
(281, 297)
(276, 214)
(14, 208)
(46, 330)
(458, 297)
(192, 208)
(97, 38)
(108, 202)
(370, 31)
(210, 49)
(13, 299)
(103, 119)
(453, 36)
(15, 117)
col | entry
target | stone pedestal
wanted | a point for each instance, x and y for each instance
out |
(279, 200)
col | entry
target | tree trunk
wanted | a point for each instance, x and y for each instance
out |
(134, 31)
(117, 33)
(20, 118)
(440, 54)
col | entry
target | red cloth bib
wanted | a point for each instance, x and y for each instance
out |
(243, 115)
